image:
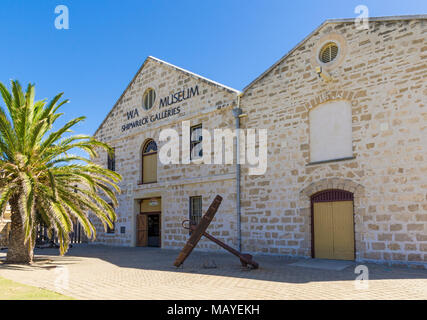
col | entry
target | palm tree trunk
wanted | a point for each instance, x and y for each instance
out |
(18, 251)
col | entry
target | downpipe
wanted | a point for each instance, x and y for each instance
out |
(238, 113)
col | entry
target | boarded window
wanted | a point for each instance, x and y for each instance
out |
(149, 162)
(330, 131)
(195, 209)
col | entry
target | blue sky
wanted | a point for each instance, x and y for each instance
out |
(229, 41)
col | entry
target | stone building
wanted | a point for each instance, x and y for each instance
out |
(5, 223)
(156, 198)
(346, 177)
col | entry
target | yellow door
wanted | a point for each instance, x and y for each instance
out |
(343, 230)
(323, 237)
(334, 230)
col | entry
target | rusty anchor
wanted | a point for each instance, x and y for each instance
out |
(200, 229)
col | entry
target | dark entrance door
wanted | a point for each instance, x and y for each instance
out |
(149, 223)
(153, 230)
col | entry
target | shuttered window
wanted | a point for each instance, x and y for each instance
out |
(149, 162)
(328, 52)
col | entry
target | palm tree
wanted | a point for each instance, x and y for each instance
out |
(38, 174)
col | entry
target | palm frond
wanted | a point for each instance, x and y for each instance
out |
(50, 185)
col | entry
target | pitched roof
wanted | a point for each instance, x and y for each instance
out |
(199, 77)
(192, 74)
(326, 22)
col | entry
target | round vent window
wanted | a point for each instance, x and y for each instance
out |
(148, 98)
(328, 52)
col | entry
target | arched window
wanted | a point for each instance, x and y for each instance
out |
(331, 131)
(149, 162)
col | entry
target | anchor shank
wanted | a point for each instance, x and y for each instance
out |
(222, 244)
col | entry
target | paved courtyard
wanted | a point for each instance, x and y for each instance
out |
(102, 272)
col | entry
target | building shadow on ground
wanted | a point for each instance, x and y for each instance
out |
(272, 268)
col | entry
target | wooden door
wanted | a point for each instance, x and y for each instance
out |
(343, 231)
(323, 237)
(142, 230)
(333, 230)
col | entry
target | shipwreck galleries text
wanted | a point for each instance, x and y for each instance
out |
(218, 146)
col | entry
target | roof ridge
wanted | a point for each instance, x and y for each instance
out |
(381, 18)
(194, 74)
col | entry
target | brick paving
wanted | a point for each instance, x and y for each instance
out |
(102, 272)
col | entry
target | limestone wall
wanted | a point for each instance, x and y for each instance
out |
(176, 182)
(382, 73)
